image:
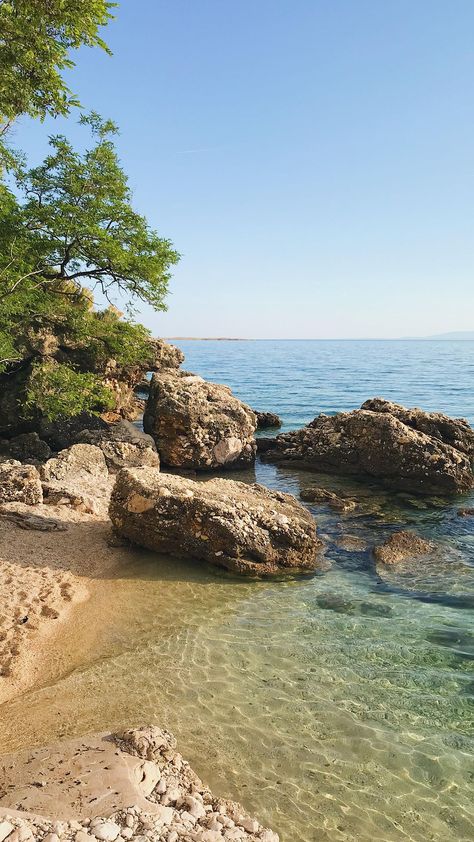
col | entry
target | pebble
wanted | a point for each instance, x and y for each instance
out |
(106, 831)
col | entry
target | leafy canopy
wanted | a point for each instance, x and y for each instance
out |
(70, 223)
(35, 39)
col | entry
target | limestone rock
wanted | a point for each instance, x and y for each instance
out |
(163, 355)
(78, 477)
(123, 445)
(198, 425)
(380, 444)
(244, 528)
(453, 431)
(266, 420)
(402, 546)
(20, 484)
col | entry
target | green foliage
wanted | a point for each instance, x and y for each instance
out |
(69, 229)
(35, 39)
(57, 390)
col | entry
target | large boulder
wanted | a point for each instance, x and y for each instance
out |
(243, 528)
(20, 483)
(369, 442)
(197, 424)
(123, 445)
(78, 477)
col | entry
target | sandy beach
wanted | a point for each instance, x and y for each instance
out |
(44, 576)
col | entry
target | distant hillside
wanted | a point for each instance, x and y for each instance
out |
(456, 334)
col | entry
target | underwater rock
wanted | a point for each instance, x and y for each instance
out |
(402, 546)
(315, 494)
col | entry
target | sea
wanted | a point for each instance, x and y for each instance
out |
(336, 706)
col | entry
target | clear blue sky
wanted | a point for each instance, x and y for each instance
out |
(312, 160)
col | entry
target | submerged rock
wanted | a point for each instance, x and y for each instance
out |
(243, 528)
(20, 483)
(266, 420)
(123, 445)
(380, 444)
(315, 494)
(401, 547)
(198, 425)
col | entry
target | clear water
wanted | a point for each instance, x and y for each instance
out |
(337, 706)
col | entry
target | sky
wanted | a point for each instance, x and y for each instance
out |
(311, 160)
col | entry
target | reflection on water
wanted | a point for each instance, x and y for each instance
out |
(338, 706)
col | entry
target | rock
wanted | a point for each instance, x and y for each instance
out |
(314, 494)
(199, 425)
(27, 521)
(78, 477)
(265, 443)
(123, 445)
(244, 528)
(163, 355)
(351, 544)
(27, 447)
(106, 831)
(63, 432)
(266, 420)
(377, 444)
(402, 546)
(5, 829)
(20, 484)
(466, 512)
(76, 461)
(453, 431)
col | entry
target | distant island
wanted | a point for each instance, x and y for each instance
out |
(209, 338)
(456, 334)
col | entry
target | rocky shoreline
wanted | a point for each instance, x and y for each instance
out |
(72, 495)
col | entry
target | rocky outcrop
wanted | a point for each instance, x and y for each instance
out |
(20, 483)
(123, 445)
(452, 431)
(315, 494)
(121, 379)
(133, 785)
(266, 420)
(401, 547)
(198, 425)
(380, 444)
(78, 477)
(244, 528)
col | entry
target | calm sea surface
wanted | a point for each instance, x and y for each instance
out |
(339, 707)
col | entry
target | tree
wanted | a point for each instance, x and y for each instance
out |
(69, 224)
(36, 37)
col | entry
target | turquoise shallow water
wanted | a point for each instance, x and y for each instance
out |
(336, 706)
